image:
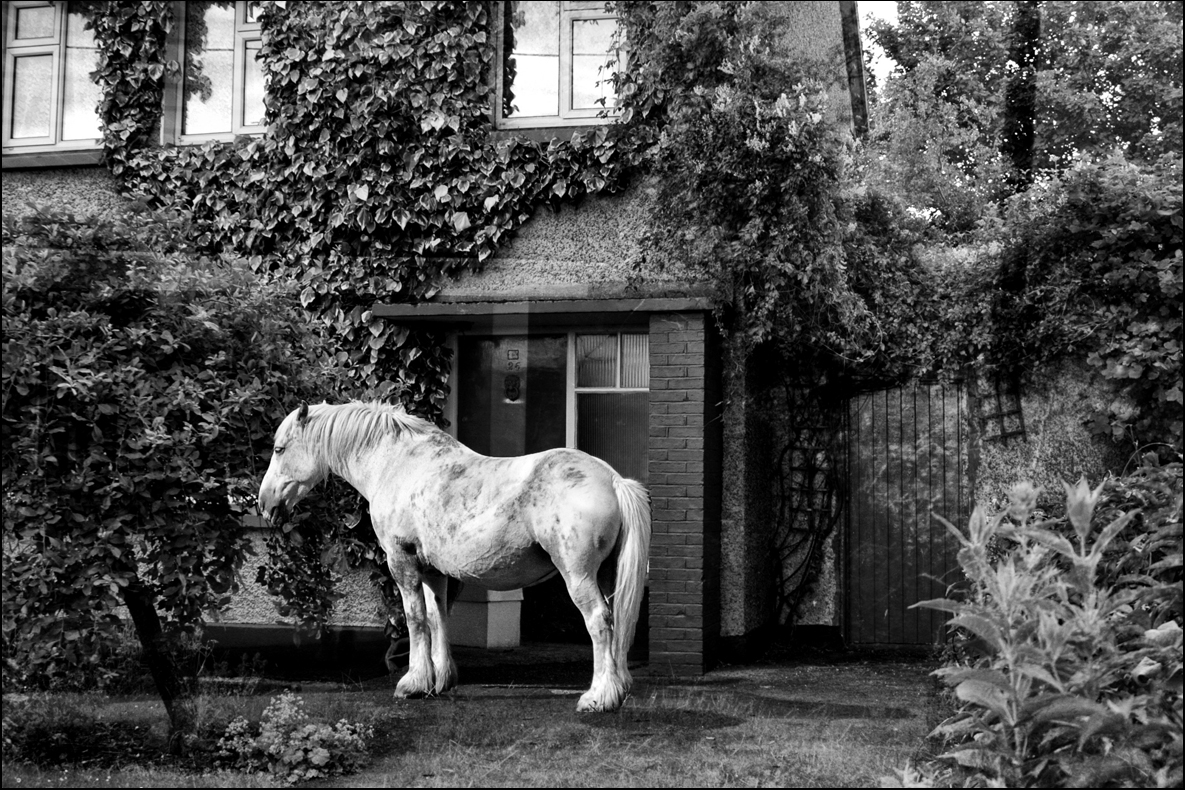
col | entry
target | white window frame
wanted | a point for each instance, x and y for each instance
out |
(246, 31)
(573, 390)
(570, 13)
(55, 46)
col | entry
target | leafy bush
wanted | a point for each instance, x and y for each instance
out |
(141, 387)
(291, 747)
(1100, 277)
(1072, 671)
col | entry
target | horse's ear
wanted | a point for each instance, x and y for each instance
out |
(303, 417)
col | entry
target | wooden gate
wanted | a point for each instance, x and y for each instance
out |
(907, 459)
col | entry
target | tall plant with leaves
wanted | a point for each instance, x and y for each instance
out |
(1073, 677)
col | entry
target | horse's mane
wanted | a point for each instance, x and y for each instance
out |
(346, 429)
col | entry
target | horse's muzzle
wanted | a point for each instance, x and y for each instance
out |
(276, 515)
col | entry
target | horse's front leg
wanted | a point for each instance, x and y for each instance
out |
(435, 598)
(420, 679)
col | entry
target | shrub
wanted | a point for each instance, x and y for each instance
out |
(1077, 679)
(1099, 276)
(142, 384)
(291, 747)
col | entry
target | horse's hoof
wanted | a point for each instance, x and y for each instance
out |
(590, 703)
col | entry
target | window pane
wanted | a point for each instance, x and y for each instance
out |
(511, 394)
(80, 119)
(531, 59)
(596, 360)
(635, 361)
(591, 41)
(253, 85)
(613, 427)
(209, 67)
(35, 22)
(32, 95)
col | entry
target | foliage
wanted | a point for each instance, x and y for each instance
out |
(1099, 275)
(291, 747)
(1073, 675)
(140, 383)
(1108, 76)
(749, 167)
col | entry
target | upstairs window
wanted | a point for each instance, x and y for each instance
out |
(50, 102)
(222, 84)
(555, 63)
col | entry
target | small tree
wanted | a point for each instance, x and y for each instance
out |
(141, 387)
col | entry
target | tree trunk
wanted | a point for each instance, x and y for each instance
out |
(1020, 98)
(139, 601)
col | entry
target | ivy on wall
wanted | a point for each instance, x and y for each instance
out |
(380, 174)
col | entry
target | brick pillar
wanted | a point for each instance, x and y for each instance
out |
(685, 494)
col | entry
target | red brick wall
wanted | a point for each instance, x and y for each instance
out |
(685, 493)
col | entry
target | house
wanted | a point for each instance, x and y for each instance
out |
(554, 342)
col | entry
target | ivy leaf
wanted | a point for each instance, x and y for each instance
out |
(460, 221)
(362, 192)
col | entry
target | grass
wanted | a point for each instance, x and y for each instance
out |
(790, 724)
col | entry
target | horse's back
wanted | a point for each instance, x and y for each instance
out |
(502, 522)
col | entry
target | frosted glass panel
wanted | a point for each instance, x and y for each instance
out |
(209, 67)
(32, 89)
(80, 118)
(35, 22)
(531, 73)
(613, 427)
(635, 361)
(596, 360)
(591, 39)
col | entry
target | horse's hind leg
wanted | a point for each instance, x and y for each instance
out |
(435, 593)
(608, 689)
(420, 679)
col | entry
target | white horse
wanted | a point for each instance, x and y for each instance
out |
(439, 510)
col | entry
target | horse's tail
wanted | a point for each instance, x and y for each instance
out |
(633, 556)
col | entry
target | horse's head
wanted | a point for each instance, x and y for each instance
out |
(296, 467)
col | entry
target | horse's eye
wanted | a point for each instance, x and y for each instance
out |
(279, 451)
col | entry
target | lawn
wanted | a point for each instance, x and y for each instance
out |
(842, 722)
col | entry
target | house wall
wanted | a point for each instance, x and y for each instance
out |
(81, 191)
(360, 607)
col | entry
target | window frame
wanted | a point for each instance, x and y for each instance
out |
(570, 12)
(55, 47)
(571, 390)
(173, 121)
